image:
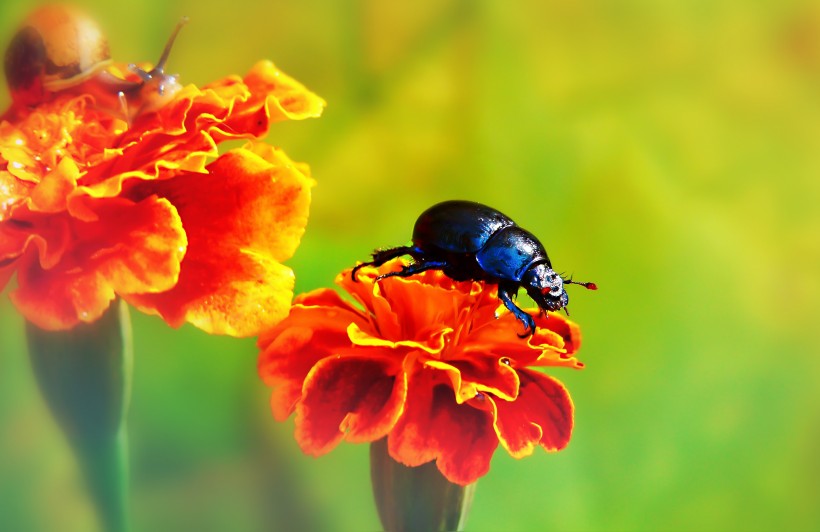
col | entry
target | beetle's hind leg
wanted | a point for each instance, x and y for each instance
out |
(383, 255)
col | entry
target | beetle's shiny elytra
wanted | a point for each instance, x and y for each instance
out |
(470, 241)
(60, 49)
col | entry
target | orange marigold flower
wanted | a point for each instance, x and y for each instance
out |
(92, 208)
(425, 363)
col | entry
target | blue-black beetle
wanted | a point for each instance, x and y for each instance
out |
(470, 241)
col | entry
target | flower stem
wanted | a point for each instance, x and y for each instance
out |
(84, 375)
(416, 498)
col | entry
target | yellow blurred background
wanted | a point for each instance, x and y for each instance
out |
(667, 150)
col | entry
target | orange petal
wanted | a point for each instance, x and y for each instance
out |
(284, 366)
(266, 95)
(546, 347)
(423, 309)
(358, 398)
(182, 134)
(434, 427)
(568, 330)
(242, 219)
(131, 248)
(321, 309)
(310, 333)
(367, 292)
(286, 97)
(51, 192)
(147, 156)
(52, 236)
(13, 239)
(541, 415)
(370, 337)
(12, 192)
(490, 374)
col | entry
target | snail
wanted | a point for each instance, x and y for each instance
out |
(59, 50)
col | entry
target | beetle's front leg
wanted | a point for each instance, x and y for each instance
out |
(505, 294)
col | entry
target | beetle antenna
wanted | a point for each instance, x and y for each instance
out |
(588, 286)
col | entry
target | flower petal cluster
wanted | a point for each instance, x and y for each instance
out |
(424, 362)
(92, 208)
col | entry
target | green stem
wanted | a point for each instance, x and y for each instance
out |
(416, 498)
(84, 375)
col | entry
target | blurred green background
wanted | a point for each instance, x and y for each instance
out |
(667, 150)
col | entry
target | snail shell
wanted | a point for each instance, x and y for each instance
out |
(57, 47)
(60, 49)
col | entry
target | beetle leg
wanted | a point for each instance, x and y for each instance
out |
(413, 269)
(382, 256)
(505, 295)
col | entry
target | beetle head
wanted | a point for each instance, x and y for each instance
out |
(545, 287)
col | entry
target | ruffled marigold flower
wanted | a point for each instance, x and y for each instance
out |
(92, 208)
(424, 363)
